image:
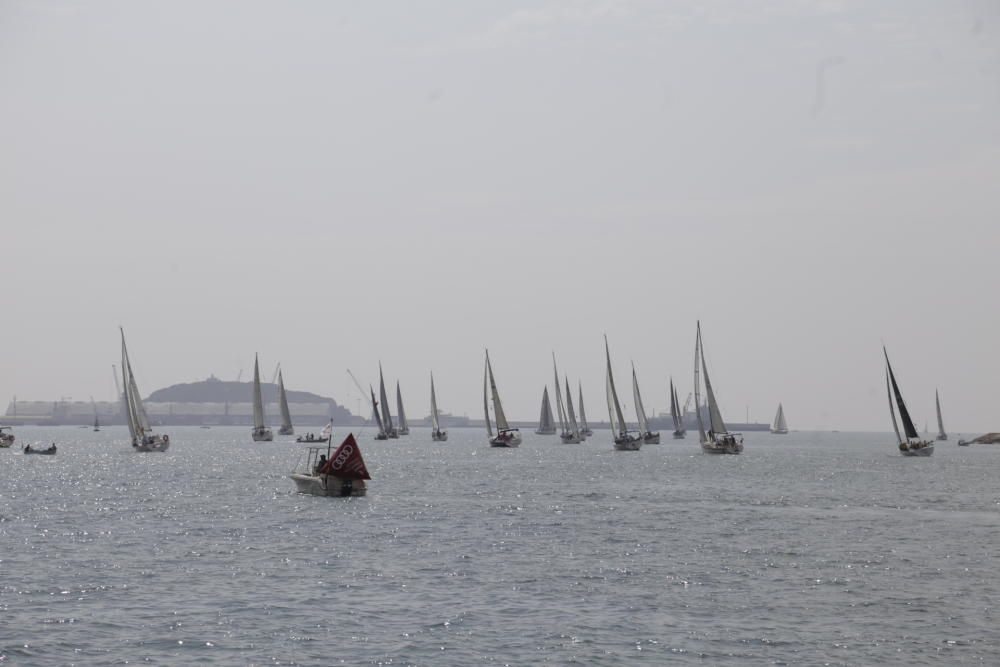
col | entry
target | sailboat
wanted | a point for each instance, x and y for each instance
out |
(260, 432)
(546, 424)
(911, 444)
(585, 430)
(675, 413)
(286, 415)
(717, 440)
(6, 439)
(648, 437)
(574, 426)
(97, 422)
(382, 434)
(941, 432)
(506, 436)
(437, 433)
(624, 441)
(387, 426)
(779, 426)
(143, 438)
(568, 432)
(404, 426)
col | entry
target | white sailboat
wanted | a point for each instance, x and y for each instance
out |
(97, 421)
(437, 433)
(404, 426)
(624, 441)
(648, 437)
(779, 426)
(286, 415)
(717, 440)
(143, 438)
(387, 426)
(546, 423)
(942, 435)
(675, 413)
(568, 433)
(260, 432)
(909, 441)
(505, 436)
(574, 426)
(585, 430)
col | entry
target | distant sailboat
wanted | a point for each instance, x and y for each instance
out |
(911, 444)
(717, 440)
(506, 436)
(546, 423)
(260, 433)
(624, 441)
(390, 431)
(404, 426)
(675, 413)
(574, 426)
(648, 437)
(568, 433)
(143, 438)
(286, 415)
(585, 429)
(779, 426)
(437, 433)
(97, 422)
(941, 432)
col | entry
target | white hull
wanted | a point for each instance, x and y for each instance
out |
(779, 431)
(545, 431)
(570, 439)
(158, 443)
(286, 431)
(439, 436)
(498, 441)
(716, 447)
(628, 444)
(651, 438)
(264, 435)
(926, 450)
(328, 486)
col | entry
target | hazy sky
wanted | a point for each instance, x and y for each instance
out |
(334, 183)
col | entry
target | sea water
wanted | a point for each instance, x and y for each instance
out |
(810, 548)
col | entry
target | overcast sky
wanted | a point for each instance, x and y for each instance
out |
(334, 183)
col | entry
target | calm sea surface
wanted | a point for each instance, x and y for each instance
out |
(809, 548)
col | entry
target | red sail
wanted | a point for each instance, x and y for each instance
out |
(346, 462)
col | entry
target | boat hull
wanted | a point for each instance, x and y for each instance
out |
(651, 438)
(780, 431)
(926, 450)
(328, 486)
(716, 447)
(941, 438)
(439, 436)
(545, 431)
(404, 431)
(679, 435)
(158, 443)
(263, 435)
(629, 444)
(286, 430)
(570, 439)
(43, 452)
(502, 442)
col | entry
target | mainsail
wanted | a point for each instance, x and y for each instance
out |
(486, 400)
(584, 427)
(135, 413)
(675, 408)
(560, 407)
(286, 416)
(941, 432)
(386, 417)
(501, 418)
(779, 420)
(545, 421)
(640, 411)
(614, 407)
(258, 401)
(573, 427)
(434, 408)
(716, 425)
(404, 427)
(904, 415)
(375, 415)
(892, 409)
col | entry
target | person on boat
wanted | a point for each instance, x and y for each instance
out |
(319, 464)
(27, 448)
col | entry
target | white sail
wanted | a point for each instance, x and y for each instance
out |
(697, 386)
(609, 390)
(375, 415)
(486, 400)
(560, 406)
(942, 435)
(286, 415)
(404, 426)
(386, 417)
(127, 407)
(892, 408)
(258, 401)
(501, 418)
(584, 426)
(574, 428)
(675, 408)
(622, 428)
(718, 427)
(545, 420)
(434, 408)
(640, 411)
(779, 420)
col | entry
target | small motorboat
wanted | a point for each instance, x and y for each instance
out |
(6, 439)
(49, 451)
(343, 474)
(310, 437)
